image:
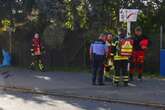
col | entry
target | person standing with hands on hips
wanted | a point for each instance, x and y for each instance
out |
(98, 52)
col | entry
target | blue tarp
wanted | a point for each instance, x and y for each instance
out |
(162, 62)
(6, 58)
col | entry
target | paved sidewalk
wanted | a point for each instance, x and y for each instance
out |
(149, 90)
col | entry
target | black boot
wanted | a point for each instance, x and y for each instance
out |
(131, 77)
(125, 84)
(140, 77)
(93, 83)
(101, 84)
(116, 84)
(116, 80)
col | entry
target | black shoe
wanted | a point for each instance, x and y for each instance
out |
(125, 84)
(106, 79)
(101, 84)
(131, 77)
(93, 83)
(116, 84)
(140, 77)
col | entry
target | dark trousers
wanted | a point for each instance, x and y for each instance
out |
(37, 62)
(121, 70)
(98, 67)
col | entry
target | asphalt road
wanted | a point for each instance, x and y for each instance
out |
(79, 84)
(24, 101)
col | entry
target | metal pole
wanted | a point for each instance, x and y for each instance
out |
(10, 40)
(128, 35)
(84, 55)
(161, 36)
(128, 29)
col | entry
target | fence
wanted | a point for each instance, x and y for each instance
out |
(73, 52)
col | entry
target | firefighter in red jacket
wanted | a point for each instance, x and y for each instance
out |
(141, 43)
(36, 52)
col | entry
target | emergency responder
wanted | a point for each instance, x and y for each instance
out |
(121, 59)
(141, 43)
(37, 51)
(108, 66)
(98, 52)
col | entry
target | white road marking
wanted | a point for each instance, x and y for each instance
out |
(132, 85)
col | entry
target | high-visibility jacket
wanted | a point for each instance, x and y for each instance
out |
(118, 48)
(36, 44)
(6, 24)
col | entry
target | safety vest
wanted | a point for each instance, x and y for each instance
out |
(117, 50)
(126, 48)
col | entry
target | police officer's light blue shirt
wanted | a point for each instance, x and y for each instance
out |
(98, 48)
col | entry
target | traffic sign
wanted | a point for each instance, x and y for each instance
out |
(128, 15)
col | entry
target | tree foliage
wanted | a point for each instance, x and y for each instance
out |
(60, 20)
(101, 15)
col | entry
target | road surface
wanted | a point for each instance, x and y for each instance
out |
(26, 101)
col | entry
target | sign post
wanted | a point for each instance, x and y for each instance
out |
(128, 15)
(128, 29)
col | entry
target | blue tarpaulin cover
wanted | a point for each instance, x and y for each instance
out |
(162, 62)
(6, 58)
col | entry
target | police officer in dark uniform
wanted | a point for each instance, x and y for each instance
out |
(98, 51)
